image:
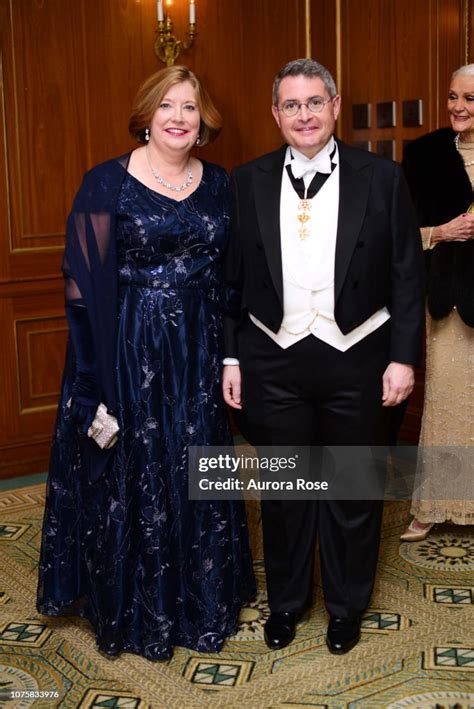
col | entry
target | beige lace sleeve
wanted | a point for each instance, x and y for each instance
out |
(426, 232)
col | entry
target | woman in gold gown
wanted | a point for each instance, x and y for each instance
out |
(440, 170)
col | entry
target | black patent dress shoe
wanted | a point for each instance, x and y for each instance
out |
(280, 628)
(343, 634)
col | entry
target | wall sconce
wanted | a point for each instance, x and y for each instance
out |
(167, 47)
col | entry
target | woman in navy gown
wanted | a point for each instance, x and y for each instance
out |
(122, 543)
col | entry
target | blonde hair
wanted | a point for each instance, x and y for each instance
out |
(151, 93)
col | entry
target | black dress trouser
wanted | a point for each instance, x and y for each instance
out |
(313, 394)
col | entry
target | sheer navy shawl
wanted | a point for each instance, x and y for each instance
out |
(90, 264)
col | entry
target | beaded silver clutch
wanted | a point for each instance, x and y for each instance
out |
(104, 428)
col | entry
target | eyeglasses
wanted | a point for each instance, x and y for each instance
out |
(314, 104)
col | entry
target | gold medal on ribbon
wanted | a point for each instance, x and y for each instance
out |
(304, 208)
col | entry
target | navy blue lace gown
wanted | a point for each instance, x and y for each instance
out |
(148, 567)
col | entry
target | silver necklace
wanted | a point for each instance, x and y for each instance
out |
(467, 163)
(165, 183)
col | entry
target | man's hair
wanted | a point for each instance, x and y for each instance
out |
(466, 70)
(304, 67)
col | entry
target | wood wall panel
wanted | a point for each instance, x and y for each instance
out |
(395, 51)
(4, 193)
(32, 353)
(126, 31)
(386, 65)
(42, 69)
(324, 31)
(468, 32)
(40, 344)
(45, 94)
(25, 457)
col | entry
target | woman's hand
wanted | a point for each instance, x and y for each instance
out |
(459, 229)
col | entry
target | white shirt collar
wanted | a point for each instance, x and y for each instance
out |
(302, 165)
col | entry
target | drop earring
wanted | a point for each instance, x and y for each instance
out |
(147, 134)
(198, 140)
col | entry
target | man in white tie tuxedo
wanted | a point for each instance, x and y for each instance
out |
(326, 255)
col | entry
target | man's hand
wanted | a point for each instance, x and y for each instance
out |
(231, 385)
(398, 382)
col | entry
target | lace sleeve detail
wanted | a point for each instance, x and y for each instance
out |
(426, 232)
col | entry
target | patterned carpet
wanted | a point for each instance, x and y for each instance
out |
(417, 647)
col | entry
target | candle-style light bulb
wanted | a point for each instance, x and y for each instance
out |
(160, 10)
(192, 12)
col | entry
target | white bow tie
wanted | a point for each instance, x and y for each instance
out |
(301, 168)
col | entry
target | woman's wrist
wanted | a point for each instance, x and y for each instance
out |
(427, 237)
(437, 234)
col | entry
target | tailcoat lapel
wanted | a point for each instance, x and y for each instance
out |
(267, 190)
(354, 185)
